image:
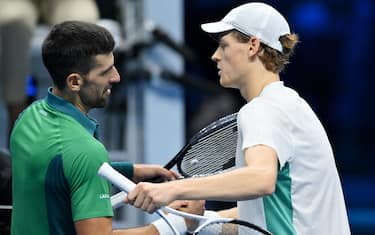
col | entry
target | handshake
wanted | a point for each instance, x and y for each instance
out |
(183, 216)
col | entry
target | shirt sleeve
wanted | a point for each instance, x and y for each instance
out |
(125, 168)
(90, 193)
(262, 123)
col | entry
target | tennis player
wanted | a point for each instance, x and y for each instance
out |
(286, 181)
(54, 146)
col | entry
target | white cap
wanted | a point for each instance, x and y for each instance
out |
(253, 19)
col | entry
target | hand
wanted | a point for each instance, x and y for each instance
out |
(189, 206)
(150, 196)
(192, 207)
(153, 173)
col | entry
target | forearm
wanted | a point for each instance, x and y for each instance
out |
(241, 184)
(103, 226)
(146, 230)
(229, 213)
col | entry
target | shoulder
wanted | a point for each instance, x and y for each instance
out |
(30, 110)
(258, 107)
(84, 158)
(86, 148)
(262, 114)
(275, 101)
(81, 150)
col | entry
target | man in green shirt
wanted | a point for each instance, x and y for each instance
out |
(54, 147)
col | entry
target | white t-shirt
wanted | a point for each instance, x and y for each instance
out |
(308, 199)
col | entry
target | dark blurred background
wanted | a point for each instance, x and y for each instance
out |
(332, 69)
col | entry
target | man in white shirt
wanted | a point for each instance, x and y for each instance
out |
(286, 180)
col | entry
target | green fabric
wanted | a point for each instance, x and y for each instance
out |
(125, 168)
(278, 206)
(55, 159)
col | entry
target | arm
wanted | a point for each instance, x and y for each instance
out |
(144, 172)
(257, 179)
(125, 168)
(154, 173)
(103, 226)
(229, 213)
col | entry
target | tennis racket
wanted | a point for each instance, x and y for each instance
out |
(207, 225)
(212, 150)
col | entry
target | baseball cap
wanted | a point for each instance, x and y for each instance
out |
(253, 19)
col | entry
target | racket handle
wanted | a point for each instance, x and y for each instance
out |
(117, 200)
(126, 185)
(113, 176)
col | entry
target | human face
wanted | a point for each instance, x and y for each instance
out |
(231, 57)
(97, 84)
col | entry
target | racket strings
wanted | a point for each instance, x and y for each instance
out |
(212, 153)
(220, 134)
(216, 142)
(221, 122)
(218, 127)
(228, 228)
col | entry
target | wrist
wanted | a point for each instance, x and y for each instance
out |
(151, 229)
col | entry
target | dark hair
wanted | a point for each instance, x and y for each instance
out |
(272, 59)
(71, 46)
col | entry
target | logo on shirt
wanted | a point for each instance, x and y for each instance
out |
(44, 113)
(103, 195)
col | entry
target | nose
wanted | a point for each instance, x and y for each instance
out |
(115, 78)
(215, 57)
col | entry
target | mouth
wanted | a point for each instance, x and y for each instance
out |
(218, 70)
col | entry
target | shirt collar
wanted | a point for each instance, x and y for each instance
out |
(68, 108)
(271, 86)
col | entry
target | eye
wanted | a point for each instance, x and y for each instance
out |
(223, 45)
(105, 72)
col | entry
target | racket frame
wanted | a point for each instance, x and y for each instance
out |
(212, 127)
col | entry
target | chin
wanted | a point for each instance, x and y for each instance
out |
(223, 84)
(101, 104)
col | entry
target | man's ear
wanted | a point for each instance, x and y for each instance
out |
(74, 82)
(254, 46)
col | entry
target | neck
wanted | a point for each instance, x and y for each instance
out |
(256, 82)
(70, 97)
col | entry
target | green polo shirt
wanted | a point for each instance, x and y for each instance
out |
(55, 159)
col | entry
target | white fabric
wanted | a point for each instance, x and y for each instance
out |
(280, 119)
(253, 19)
(164, 229)
(211, 214)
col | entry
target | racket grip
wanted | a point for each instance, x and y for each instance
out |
(117, 200)
(113, 176)
(123, 183)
